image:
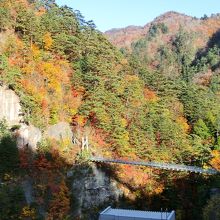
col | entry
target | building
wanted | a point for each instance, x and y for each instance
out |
(123, 214)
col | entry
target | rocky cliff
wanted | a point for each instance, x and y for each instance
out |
(93, 190)
(10, 107)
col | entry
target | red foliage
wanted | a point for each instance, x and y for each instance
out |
(41, 163)
(24, 159)
(44, 104)
(75, 92)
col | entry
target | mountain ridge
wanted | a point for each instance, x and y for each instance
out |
(124, 37)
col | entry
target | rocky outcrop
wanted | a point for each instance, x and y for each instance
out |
(60, 131)
(10, 107)
(28, 136)
(93, 189)
(28, 190)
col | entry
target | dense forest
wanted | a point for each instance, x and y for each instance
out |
(158, 100)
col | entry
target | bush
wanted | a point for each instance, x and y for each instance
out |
(212, 209)
(9, 156)
(11, 201)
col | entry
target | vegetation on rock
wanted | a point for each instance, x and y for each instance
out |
(160, 101)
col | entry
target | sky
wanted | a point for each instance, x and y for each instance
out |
(108, 14)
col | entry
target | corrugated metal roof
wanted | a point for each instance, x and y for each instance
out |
(136, 213)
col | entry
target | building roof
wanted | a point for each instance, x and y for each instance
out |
(137, 214)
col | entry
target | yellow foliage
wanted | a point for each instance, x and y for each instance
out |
(131, 78)
(81, 120)
(53, 73)
(48, 41)
(183, 123)
(215, 161)
(28, 212)
(28, 69)
(73, 111)
(124, 61)
(124, 122)
(7, 177)
(35, 51)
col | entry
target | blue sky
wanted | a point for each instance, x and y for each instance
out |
(109, 14)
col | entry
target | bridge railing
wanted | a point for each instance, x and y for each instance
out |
(177, 167)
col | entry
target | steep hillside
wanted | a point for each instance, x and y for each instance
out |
(65, 71)
(177, 57)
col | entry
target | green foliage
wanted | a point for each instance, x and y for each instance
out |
(4, 18)
(149, 105)
(215, 84)
(26, 23)
(156, 28)
(201, 129)
(9, 158)
(209, 60)
(185, 52)
(212, 209)
(11, 202)
(9, 75)
(44, 146)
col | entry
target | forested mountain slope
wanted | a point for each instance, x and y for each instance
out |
(161, 108)
(169, 24)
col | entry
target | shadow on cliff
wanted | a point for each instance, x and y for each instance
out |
(12, 198)
(31, 179)
(39, 174)
(187, 194)
(9, 155)
(214, 41)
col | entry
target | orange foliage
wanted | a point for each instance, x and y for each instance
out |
(212, 26)
(133, 175)
(215, 161)
(41, 11)
(80, 120)
(150, 95)
(44, 104)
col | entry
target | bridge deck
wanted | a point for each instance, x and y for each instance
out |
(165, 166)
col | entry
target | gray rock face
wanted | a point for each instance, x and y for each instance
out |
(28, 190)
(28, 135)
(93, 189)
(10, 107)
(60, 131)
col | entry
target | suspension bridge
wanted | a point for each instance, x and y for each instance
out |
(165, 166)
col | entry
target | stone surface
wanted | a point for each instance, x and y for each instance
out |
(93, 189)
(28, 190)
(10, 107)
(28, 136)
(60, 131)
